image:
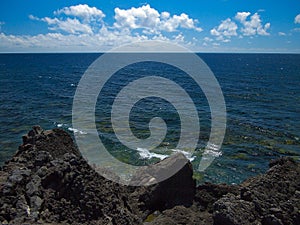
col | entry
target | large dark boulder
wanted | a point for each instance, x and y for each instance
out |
(179, 189)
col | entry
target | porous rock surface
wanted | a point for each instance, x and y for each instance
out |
(48, 182)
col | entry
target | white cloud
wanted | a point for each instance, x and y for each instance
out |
(296, 29)
(72, 26)
(179, 38)
(76, 19)
(297, 19)
(225, 31)
(253, 26)
(66, 42)
(183, 21)
(82, 28)
(242, 16)
(226, 40)
(207, 39)
(32, 17)
(142, 17)
(263, 30)
(281, 34)
(261, 10)
(247, 26)
(227, 28)
(150, 19)
(165, 15)
(84, 12)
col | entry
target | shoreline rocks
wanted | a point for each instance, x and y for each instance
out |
(48, 181)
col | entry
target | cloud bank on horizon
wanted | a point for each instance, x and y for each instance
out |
(83, 28)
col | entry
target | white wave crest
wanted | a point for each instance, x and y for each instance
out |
(76, 130)
(188, 155)
(146, 154)
(213, 150)
(66, 126)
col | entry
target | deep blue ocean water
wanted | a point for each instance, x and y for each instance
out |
(261, 91)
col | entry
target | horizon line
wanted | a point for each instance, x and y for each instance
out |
(103, 52)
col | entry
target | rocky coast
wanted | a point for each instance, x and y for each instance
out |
(47, 181)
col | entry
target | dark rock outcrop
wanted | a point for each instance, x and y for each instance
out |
(269, 199)
(47, 181)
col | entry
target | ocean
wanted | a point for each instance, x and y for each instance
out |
(261, 92)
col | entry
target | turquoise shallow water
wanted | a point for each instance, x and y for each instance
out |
(261, 91)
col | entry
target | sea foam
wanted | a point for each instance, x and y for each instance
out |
(146, 154)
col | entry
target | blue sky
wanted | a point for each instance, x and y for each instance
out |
(98, 25)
